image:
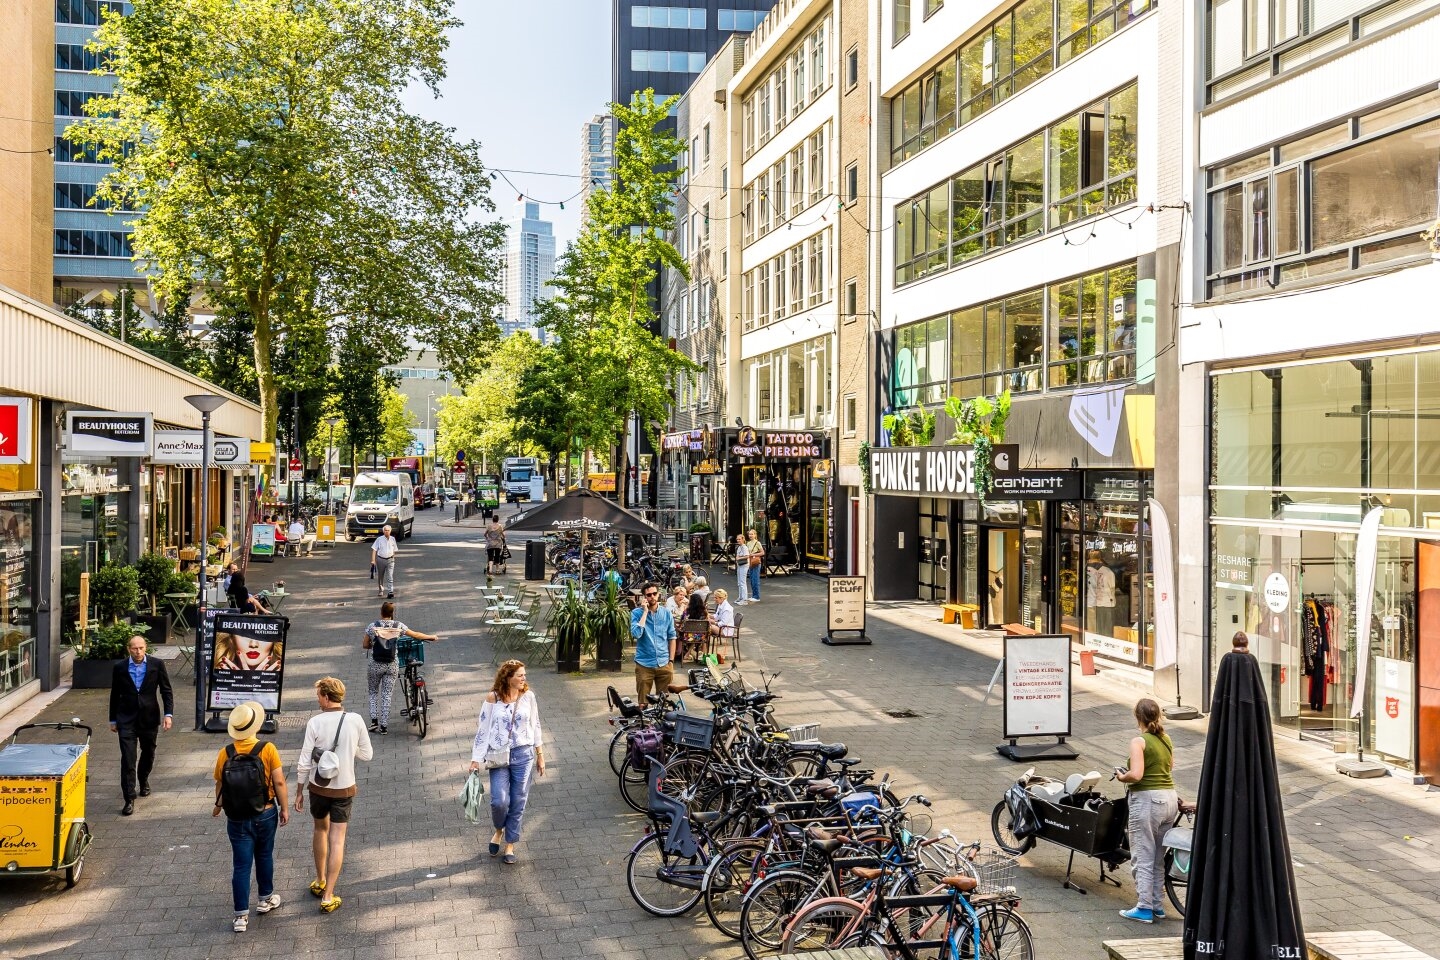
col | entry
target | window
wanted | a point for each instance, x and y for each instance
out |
(92, 243)
(1255, 39)
(747, 301)
(724, 180)
(1092, 328)
(705, 139)
(782, 110)
(762, 294)
(705, 216)
(930, 6)
(762, 114)
(900, 13)
(666, 61)
(818, 286)
(797, 278)
(747, 211)
(777, 281)
(71, 103)
(743, 20)
(86, 12)
(797, 81)
(1007, 56)
(762, 209)
(724, 264)
(797, 180)
(74, 56)
(852, 183)
(1079, 167)
(81, 196)
(819, 73)
(852, 68)
(1325, 203)
(919, 362)
(779, 183)
(747, 128)
(850, 420)
(817, 165)
(673, 18)
(852, 298)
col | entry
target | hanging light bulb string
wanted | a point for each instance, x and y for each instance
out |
(522, 195)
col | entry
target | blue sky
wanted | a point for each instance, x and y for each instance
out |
(522, 78)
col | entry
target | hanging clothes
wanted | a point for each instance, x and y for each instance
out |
(1317, 648)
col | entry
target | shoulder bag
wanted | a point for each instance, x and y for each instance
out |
(326, 759)
(497, 757)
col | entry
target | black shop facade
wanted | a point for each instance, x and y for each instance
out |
(1054, 546)
(781, 484)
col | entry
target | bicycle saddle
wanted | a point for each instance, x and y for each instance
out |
(962, 883)
(830, 751)
(707, 816)
(822, 788)
(867, 873)
(827, 846)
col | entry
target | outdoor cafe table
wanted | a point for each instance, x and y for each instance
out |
(178, 602)
(275, 599)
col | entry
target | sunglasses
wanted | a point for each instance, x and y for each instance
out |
(652, 593)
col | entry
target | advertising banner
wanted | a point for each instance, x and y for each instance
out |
(487, 492)
(248, 662)
(185, 447)
(1037, 686)
(845, 609)
(262, 541)
(1394, 706)
(947, 471)
(108, 434)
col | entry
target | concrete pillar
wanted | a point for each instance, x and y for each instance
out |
(49, 610)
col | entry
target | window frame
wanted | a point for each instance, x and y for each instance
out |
(852, 68)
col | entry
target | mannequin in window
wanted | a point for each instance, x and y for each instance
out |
(1100, 594)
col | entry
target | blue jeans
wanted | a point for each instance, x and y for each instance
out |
(754, 574)
(252, 842)
(509, 790)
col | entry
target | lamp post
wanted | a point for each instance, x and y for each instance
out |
(206, 403)
(329, 483)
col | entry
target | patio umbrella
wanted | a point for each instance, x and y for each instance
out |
(583, 511)
(1241, 899)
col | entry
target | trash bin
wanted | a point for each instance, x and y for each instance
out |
(535, 560)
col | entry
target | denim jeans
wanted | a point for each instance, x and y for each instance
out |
(1152, 812)
(755, 581)
(509, 790)
(742, 579)
(252, 842)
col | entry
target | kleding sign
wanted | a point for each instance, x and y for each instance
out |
(1037, 686)
(108, 434)
(931, 471)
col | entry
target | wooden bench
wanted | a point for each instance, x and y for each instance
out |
(1020, 630)
(965, 614)
(1342, 945)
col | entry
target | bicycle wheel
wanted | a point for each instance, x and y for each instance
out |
(645, 875)
(1002, 824)
(803, 764)
(1177, 879)
(1003, 934)
(618, 747)
(769, 906)
(634, 785)
(728, 878)
(914, 883)
(820, 926)
(420, 713)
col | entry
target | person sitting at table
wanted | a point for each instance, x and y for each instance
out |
(296, 531)
(675, 605)
(695, 611)
(693, 584)
(240, 596)
(279, 532)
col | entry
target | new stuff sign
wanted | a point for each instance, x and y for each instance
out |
(933, 471)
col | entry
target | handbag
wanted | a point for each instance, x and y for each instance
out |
(757, 557)
(326, 759)
(497, 757)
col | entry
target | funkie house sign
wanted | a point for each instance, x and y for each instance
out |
(931, 471)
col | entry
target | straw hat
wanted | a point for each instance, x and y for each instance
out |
(246, 720)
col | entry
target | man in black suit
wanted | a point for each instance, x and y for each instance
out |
(135, 715)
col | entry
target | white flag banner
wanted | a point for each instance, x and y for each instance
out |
(1367, 546)
(1166, 622)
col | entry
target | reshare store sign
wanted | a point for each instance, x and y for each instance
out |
(108, 434)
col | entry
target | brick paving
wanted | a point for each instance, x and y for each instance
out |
(417, 881)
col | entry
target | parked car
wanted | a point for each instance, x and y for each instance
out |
(424, 496)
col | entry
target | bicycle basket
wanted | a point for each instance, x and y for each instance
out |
(995, 870)
(803, 731)
(855, 804)
(693, 731)
(410, 650)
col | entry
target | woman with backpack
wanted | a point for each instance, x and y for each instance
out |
(250, 789)
(381, 639)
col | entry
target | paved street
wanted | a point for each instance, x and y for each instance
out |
(417, 881)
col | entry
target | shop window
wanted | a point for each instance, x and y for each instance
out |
(1323, 203)
(18, 654)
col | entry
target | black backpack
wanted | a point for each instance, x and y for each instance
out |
(244, 792)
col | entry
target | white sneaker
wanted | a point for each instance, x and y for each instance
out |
(267, 904)
(241, 924)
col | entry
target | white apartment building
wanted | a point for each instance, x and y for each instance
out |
(1024, 203)
(1308, 335)
(783, 209)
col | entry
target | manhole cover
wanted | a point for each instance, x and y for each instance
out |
(800, 661)
(902, 714)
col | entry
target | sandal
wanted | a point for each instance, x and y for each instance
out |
(329, 906)
(317, 887)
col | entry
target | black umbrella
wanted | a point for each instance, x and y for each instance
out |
(583, 511)
(1241, 900)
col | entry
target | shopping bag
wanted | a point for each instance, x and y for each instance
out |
(471, 794)
(372, 569)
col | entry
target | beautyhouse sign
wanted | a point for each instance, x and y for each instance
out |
(933, 471)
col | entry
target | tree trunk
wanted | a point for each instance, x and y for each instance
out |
(265, 375)
(622, 477)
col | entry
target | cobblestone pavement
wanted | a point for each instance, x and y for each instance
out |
(417, 881)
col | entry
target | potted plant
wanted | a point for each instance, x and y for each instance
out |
(95, 658)
(609, 623)
(114, 591)
(572, 630)
(154, 571)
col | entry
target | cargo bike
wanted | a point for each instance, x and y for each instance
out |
(42, 804)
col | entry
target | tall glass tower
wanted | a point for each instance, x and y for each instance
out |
(529, 267)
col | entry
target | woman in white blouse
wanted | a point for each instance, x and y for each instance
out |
(509, 731)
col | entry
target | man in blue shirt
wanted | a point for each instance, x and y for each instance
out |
(653, 630)
(138, 689)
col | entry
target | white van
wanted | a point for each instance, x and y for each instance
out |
(377, 499)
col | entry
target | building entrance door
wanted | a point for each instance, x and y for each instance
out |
(1001, 587)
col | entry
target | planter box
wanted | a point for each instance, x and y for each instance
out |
(159, 625)
(92, 674)
(608, 652)
(567, 650)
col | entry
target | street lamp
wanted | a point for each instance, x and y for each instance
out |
(330, 483)
(206, 403)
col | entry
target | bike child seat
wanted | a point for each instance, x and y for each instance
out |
(1078, 783)
(1051, 792)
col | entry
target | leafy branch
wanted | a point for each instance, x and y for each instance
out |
(980, 422)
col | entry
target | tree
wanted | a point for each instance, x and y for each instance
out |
(267, 146)
(480, 421)
(602, 315)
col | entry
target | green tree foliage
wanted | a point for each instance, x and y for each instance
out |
(166, 335)
(481, 420)
(268, 145)
(602, 316)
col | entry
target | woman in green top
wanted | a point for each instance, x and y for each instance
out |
(1153, 808)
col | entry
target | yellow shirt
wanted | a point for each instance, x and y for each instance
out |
(269, 756)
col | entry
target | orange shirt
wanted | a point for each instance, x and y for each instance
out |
(269, 756)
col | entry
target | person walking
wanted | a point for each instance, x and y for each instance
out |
(382, 558)
(1154, 806)
(381, 638)
(757, 561)
(135, 714)
(508, 742)
(250, 790)
(326, 771)
(742, 569)
(653, 630)
(494, 547)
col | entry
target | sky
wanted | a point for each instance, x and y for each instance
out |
(522, 78)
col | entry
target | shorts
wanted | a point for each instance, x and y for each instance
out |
(496, 554)
(336, 808)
